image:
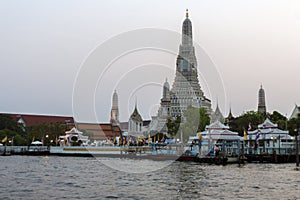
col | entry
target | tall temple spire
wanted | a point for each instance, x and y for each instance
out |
(166, 91)
(217, 115)
(261, 100)
(187, 33)
(114, 113)
(230, 113)
(186, 91)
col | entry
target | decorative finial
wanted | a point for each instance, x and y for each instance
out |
(166, 79)
(187, 13)
(261, 85)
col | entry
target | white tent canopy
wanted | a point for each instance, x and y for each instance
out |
(36, 143)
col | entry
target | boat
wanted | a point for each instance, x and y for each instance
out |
(5, 151)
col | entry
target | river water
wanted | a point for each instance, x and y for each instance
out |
(29, 177)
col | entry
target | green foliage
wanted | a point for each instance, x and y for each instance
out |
(279, 119)
(204, 120)
(173, 126)
(13, 130)
(87, 133)
(241, 123)
(195, 121)
(37, 132)
(293, 125)
(6, 122)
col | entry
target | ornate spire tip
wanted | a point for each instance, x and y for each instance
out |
(187, 13)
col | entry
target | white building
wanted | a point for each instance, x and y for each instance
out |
(216, 134)
(268, 138)
(135, 123)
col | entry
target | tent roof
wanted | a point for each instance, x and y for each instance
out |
(36, 142)
(216, 125)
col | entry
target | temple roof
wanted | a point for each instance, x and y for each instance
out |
(267, 124)
(217, 125)
(34, 119)
(268, 131)
(220, 135)
(136, 115)
(268, 128)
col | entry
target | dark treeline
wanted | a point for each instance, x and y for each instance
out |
(254, 118)
(19, 135)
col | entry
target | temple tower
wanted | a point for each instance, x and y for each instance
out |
(114, 113)
(261, 101)
(186, 91)
(217, 115)
(165, 102)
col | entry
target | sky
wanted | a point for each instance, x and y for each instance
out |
(67, 57)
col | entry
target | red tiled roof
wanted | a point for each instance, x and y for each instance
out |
(31, 120)
(100, 131)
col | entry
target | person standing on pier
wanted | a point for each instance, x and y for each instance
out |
(217, 150)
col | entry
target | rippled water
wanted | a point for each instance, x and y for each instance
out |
(53, 177)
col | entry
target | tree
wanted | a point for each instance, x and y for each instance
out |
(293, 125)
(87, 133)
(279, 119)
(195, 121)
(204, 120)
(241, 123)
(173, 126)
(13, 130)
(7, 122)
(40, 131)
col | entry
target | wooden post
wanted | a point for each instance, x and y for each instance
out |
(297, 149)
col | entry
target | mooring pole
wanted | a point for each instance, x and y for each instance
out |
(297, 148)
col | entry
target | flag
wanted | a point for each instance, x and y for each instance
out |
(249, 127)
(257, 135)
(200, 136)
(68, 139)
(4, 139)
(245, 135)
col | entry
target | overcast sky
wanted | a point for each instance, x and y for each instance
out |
(45, 44)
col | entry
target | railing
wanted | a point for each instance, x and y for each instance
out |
(23, 149)
(270, 150)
